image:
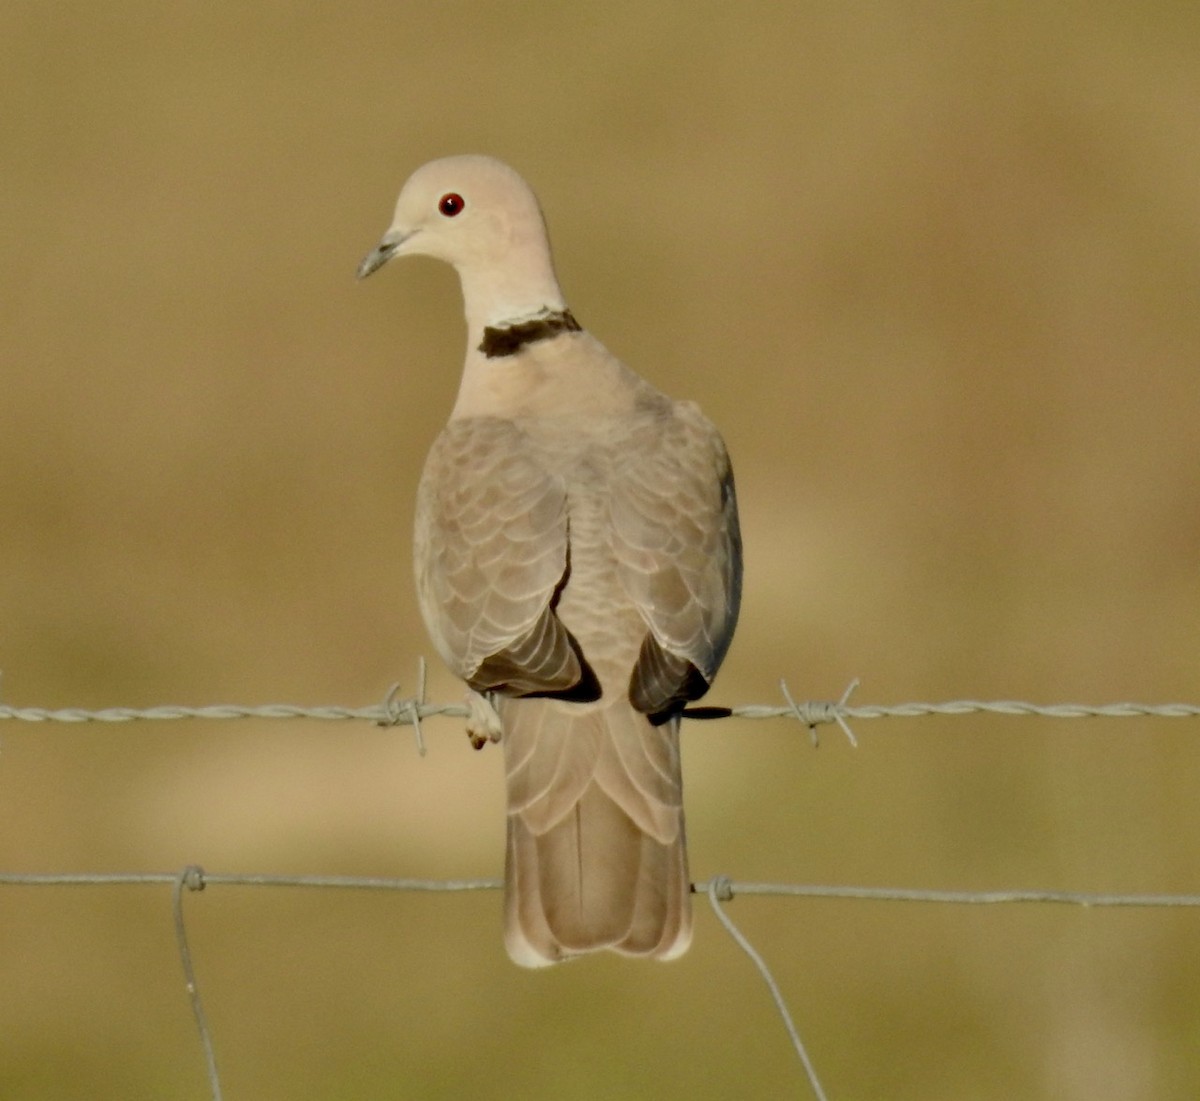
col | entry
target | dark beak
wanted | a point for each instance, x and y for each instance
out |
(383, 252)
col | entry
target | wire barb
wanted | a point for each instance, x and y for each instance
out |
(813, 712)
(397, 711)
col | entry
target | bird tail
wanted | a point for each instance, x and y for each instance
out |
(596, 850)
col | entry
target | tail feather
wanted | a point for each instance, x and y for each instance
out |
(598, 861)
(638, 766)
(546, 768)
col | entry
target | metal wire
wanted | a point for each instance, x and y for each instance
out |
(397, 711)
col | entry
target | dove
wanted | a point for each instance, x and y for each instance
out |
(578, 564)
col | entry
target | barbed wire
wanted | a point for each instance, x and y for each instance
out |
(396, 711)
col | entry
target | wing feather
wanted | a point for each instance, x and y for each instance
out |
(673, 514)
(491, 553)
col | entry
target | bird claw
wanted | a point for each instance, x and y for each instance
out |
(483, 721)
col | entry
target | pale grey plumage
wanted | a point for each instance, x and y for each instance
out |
(578, 560)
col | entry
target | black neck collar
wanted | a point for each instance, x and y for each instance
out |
(507, 340)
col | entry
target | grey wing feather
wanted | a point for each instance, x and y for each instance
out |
(490, 555)
(676, 539)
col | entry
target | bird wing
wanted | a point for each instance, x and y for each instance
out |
(491, 555)
(675, 536)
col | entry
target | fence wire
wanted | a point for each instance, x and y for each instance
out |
(396, 711)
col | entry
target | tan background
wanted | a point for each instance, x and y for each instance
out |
(934, 269)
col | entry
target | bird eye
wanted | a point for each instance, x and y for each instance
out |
(451, 204)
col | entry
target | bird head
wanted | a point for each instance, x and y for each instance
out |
(478, 215)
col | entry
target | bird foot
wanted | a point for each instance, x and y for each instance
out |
(483, 721)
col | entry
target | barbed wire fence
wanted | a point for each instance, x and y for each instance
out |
(396, 710)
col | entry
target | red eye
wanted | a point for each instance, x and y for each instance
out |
(451, 204)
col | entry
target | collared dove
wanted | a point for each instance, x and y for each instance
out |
(578, 564)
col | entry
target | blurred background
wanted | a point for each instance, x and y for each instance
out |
(934, 270)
